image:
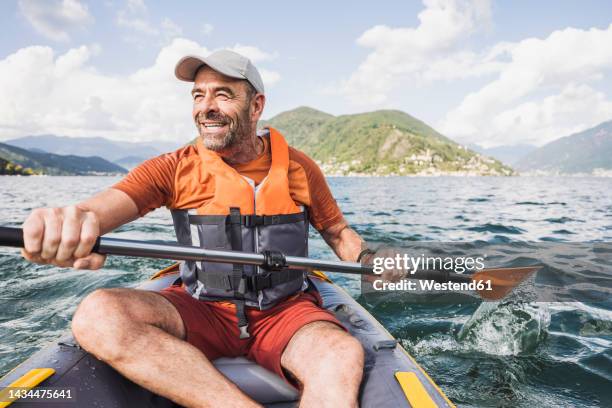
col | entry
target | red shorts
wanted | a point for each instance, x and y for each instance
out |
(212, 327)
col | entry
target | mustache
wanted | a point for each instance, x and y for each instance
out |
(213, 116)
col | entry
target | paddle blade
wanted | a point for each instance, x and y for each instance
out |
(503, 280)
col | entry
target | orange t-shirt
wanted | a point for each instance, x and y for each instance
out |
(177, 180)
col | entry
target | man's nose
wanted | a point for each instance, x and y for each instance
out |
(207, 104)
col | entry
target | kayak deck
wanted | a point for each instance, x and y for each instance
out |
(391, 377)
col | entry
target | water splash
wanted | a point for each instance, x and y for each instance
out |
(496, 329)
(505, 329)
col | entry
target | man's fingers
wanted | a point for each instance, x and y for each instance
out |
(70, 235)
(92, 261)
(68, 263)
(53, 234)
(32, 257)
(90, 229)
(63, 237)
(97, 261)
(33, 232)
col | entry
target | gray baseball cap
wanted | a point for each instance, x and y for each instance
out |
(226, 62)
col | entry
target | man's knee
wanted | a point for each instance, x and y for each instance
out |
(323, 350)
(101, 322)
(347, 354)
(335, 343)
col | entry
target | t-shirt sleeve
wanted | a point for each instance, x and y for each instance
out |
(150, 184)
(324, 210)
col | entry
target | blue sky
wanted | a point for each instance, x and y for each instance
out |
(482, 72)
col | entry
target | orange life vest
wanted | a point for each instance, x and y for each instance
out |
(244, 217)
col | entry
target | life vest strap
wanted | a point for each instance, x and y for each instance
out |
(248, 221)
(271, 279)
(238, 281)
(220, 280)
(243, 323)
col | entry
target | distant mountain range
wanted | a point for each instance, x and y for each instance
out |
(587, 152)
(385, 142)
(506, 154)
(125, 154)
(15, 160)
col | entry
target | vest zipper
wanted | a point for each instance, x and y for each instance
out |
(256, 245)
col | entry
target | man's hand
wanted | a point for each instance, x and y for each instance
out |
(63, 237)
(394, 274)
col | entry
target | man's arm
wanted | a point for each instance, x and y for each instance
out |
(113, 208)
(64, 236)
(345, 242)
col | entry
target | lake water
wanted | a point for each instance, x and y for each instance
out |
(481, 354)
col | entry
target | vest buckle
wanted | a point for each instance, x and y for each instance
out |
(260, 282)
(244, 332)
(251, 221)
(273, 260)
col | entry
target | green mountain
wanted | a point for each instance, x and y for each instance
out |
(385, 142)
(52, 164)
(589, 151)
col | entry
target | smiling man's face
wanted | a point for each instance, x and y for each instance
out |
(221, 109)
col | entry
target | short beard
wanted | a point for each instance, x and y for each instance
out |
(239, 130)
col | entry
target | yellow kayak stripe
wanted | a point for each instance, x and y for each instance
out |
(26, 382)
(414, 391)
(428, 377)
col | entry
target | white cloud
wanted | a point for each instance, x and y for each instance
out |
(575, 108)
(135, 18)
(136, 6)
(136, 24)
(535, 89)
(253, 53)
(65, 95)
(427, 52)
(560, 65)
(207, 28)
(270, 78)
(171, 29)
(54, 19)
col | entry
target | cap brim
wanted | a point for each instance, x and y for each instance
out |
(188, 66)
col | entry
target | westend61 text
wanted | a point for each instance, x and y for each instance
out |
(407, 285)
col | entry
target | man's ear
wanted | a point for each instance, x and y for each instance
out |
(257, 106)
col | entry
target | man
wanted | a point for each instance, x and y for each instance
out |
(166, 341)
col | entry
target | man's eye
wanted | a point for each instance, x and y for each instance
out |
(197, 97)
(222, 96)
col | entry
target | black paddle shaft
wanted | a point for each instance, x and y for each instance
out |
(13, 237)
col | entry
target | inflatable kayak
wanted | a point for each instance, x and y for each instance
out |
(392, 377)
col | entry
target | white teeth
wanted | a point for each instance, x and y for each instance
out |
(213, 126)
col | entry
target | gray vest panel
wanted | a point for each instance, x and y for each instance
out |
(213, 281)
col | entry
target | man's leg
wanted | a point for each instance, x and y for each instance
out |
(140, 334)
(328, 362)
